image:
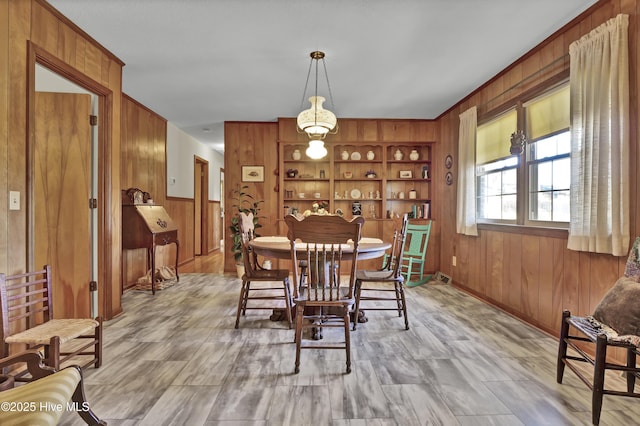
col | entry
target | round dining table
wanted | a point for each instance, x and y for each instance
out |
(279, 247)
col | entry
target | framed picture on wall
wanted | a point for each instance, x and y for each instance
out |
(253, 173)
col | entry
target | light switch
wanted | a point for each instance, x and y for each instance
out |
(14, 200)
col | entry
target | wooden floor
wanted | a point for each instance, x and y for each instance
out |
(175, 358)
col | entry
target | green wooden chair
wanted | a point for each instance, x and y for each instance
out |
(415, 253)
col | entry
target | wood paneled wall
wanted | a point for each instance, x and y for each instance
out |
(253, 143)
(143, 159)
(35, 21)
(535, 276)
(250, 143)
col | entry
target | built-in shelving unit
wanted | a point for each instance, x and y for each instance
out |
(381, 180)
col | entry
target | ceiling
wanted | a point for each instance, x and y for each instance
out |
(199, 63)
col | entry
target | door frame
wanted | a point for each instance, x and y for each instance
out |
(37, 54)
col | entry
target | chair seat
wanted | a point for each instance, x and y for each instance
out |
(378, 276)
(51, 391)
(65, 329)
(268, 274)
(591, 327)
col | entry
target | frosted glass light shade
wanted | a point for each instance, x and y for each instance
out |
(316, 121)
(316, 149)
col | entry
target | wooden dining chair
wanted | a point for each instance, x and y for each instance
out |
(327, 243)
(372, 282)
(28, 319)
(253, 272)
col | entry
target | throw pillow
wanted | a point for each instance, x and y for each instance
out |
(632, 269)
(619, 308)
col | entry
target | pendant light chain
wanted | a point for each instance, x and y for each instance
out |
(324, 64)
(306, 85)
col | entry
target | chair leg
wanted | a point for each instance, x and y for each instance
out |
(82, 406)
(404, 305)
(52, 353)
(598, 378)
(247, 289)
(288, 301)
(562, 346)
(631, 363)
(347, 337)
(397, 289)
(298, 336)
(98, 344)
(241, 302)
(357, 291)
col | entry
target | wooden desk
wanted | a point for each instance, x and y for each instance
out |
(148, 226)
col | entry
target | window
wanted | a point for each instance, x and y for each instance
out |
(533, 188)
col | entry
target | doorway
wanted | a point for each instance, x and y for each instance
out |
(66, 195)
(201, 206)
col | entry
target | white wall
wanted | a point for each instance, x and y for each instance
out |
(181, 150)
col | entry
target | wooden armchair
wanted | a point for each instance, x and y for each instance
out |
(27, 318)
(47, 396)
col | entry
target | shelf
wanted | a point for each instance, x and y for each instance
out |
(408, 180)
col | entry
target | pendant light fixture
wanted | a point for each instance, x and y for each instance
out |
(316, 121)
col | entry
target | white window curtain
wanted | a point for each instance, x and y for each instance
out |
(599, 90)
(466, 212)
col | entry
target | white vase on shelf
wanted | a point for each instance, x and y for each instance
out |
(296, 155)
(371, 155)
(414, 155)
(345, 155)
(398, 155)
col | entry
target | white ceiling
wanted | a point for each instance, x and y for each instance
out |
(199, 63)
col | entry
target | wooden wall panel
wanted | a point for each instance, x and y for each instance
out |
(251, 144)
(540, 276)
(36, 21)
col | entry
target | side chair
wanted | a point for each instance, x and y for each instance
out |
(390, 273)
(28, 319)
(614, 325)
(327, 243)
(254, 272)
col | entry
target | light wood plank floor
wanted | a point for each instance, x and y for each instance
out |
(176, 359)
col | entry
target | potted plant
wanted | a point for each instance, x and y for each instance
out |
(243, 202)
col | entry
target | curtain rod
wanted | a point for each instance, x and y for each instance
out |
(561, 58)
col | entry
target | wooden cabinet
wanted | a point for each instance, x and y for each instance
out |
(382, 179)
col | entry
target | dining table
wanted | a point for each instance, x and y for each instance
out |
(279, 247)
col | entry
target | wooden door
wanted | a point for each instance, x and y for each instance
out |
(61, 191)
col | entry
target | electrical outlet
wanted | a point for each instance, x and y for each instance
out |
(453, 260)
(14, 200)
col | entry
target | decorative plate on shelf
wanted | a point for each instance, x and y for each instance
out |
(355, 156)
(355, 194)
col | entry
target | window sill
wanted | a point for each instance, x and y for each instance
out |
(525, 230)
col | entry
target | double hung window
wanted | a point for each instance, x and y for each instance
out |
(532, 188)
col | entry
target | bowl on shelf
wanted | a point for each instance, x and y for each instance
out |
(348, 175)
